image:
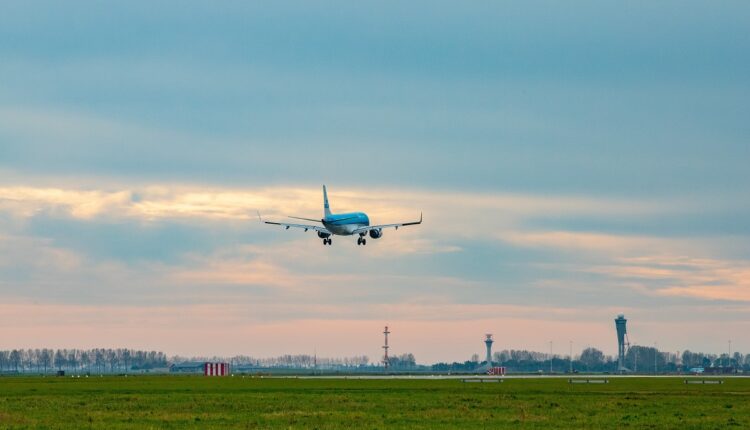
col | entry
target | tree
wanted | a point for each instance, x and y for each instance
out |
(642, 358)
(38, 359)
(592, 358)
(402, 361)
(737, 359)
(99, 359)
(59, 359)
(45, 359)
(125, 357)
(501, 357)
(73, 357)
(112, 359)
(475, 358)
(86, 360)
(28, 358)
(15, 359)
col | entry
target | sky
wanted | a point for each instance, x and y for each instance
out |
(573, 161)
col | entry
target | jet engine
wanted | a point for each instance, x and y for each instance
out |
(323, 235)
(376, 233)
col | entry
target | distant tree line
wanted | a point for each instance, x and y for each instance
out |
(642, 359)
(99, 360)
(304, 361)
(402, 362)
(300, 361)
(405, 361)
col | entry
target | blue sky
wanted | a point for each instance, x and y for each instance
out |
(573, 161)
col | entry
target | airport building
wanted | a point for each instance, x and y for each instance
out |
(187, 367)
(206, 368)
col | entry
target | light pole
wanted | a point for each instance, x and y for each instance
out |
(571, 357)
(729, 355)
(550, 357)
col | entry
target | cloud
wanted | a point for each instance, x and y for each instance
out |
(584, 241)
(655, 266)
(82, 204)
(36, 256)
(681, 276)
(174, 201)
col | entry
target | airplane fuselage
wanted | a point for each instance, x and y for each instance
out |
(345, 224)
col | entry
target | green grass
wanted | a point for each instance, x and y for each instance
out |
(197, 402)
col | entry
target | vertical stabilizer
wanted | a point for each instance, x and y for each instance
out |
(326, 208)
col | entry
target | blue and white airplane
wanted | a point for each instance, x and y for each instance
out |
(349, 224)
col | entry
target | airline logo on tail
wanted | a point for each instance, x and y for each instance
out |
(326, 207)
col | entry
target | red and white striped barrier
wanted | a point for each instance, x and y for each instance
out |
(216, 369)
(499, 371)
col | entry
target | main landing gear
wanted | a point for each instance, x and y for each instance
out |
(361, 241)
(326, 241)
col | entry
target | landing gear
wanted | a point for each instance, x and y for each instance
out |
(326, 241)
(361, 241)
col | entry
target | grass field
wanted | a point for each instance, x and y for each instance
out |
(198, 402)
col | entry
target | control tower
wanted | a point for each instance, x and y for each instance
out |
(488, 342)
(622, 341)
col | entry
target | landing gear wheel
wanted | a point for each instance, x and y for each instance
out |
(326, 241)
(330, 241)
(364, 241)
(359, 241)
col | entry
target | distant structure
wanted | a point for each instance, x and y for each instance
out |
(207, 368)
(188, 367)
(488, 342)
(385, 347)
(496, 371)
(487, 364)
(216, 369)
(622, 341)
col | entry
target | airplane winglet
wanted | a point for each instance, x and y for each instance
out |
(414, 222)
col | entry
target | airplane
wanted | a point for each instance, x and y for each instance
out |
(348, 224)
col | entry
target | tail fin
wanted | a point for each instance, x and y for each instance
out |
(326, 208)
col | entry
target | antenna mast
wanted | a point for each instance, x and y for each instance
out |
(385, 347)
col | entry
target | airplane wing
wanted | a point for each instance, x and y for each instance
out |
(382, 226)
(302, 226)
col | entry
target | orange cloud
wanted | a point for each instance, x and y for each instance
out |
(684, 276)
(168, 201)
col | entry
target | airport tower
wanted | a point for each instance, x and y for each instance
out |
(488, 341)
(622, 341)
